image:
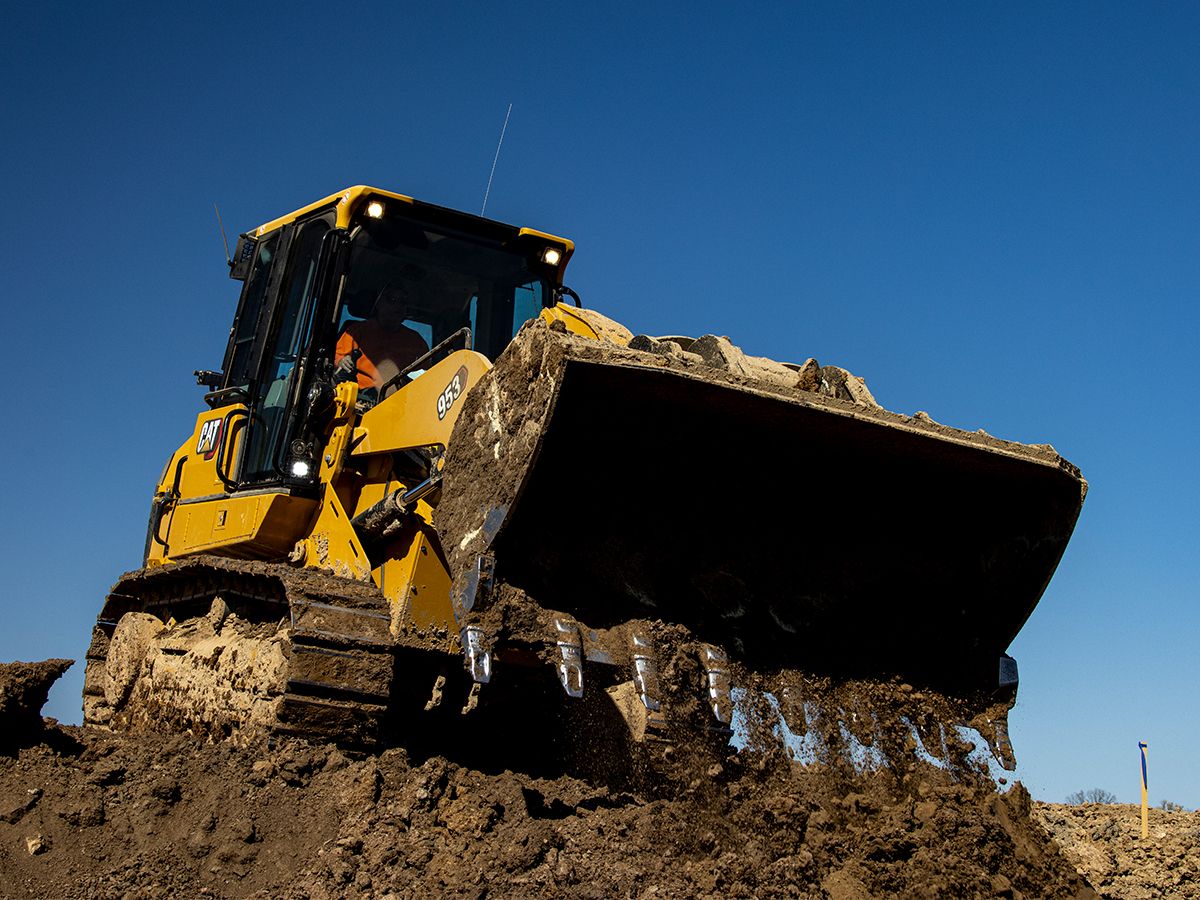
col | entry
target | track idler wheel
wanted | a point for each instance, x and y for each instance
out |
(127, 650)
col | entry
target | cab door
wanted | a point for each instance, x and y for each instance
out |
(270, 355)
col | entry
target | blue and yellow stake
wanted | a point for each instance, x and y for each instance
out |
(1145, 804)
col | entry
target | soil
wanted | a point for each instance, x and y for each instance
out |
(85, 812)
(23, 691)
(1104, 841)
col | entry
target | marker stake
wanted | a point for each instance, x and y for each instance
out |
(1145, 804)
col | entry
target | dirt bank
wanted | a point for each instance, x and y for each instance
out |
(92, 814)
(1105, 843)
(86, 813)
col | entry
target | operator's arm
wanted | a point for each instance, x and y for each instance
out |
(344, 359)
(345, 344)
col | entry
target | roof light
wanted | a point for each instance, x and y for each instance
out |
(551, 256)
(375, 209)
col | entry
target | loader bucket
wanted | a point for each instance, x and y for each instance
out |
(791, 529)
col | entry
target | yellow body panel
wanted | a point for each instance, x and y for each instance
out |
(415, 579)
(216, 437)
(259, 526)
(331, 543)
(340, 433)
(378, 484)
(568, 247)
(412, 417)
(573, 323)
(410, 571)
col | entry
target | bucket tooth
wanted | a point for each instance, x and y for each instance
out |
(645, 680)
(570, 649)
(645, 673)
(1002, 746)
(477, 585)
(476, 656)
(716, 668)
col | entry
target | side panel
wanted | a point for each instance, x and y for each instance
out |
(193, 474)
(259, 526)
(423, 413)
(216, 441)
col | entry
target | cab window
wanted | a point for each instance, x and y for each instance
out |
(289, 336)
(240, 355)
(450, 282)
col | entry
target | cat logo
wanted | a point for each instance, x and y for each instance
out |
(210, 438)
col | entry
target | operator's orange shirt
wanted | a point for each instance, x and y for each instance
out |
(384, 353)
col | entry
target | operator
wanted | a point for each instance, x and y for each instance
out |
(385, 343)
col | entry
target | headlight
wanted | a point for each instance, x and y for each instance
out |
(551, 256)
(375, 209)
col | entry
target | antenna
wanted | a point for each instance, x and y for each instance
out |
(495, 160)
(221, 225)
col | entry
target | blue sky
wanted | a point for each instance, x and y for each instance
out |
(989, 211)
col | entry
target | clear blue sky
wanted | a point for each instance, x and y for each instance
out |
(990, 211)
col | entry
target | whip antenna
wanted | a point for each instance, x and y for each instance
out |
(221, 225)
(495, 160)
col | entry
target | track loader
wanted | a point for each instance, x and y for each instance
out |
(544, 509)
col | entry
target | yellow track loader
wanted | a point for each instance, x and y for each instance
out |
(539, 505)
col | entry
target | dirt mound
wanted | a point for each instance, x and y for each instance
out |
(1105, 843)
(90, 813)
(23, 691)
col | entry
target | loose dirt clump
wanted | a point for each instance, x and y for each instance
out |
(1104, 841)
(23, 691)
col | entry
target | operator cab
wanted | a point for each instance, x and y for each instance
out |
(315, 276)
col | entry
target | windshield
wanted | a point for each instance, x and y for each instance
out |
(408, 288)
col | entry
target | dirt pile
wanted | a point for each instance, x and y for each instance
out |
(1104, 841)
(101, 815)
(23, 691)
(89, 813)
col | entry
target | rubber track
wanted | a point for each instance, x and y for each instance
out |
(341, 651)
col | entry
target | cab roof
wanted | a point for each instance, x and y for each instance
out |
(346, 204)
